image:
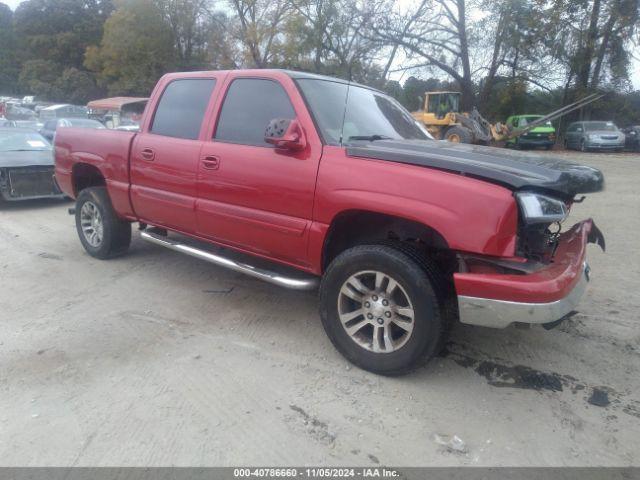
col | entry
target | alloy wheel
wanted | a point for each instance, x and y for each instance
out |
(376, 311)
(91, 223)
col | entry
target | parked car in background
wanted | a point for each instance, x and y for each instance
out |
(16, 112)
(26, 165)
(62, 111)
(32, 124)
(50, 127)
(632, 138)
(116, 112)
(542, 136)
(594, 135)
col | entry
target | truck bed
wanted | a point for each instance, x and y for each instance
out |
(81, 149)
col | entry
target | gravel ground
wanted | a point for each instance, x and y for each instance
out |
(159, 359)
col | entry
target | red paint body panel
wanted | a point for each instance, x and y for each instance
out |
(550, 284)
(280, 205)
(106, 150)
(469, 214)
(260, 198)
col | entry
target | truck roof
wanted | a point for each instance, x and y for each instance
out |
(270, 71)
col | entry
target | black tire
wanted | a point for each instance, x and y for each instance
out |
(548, 147)
(425, 287)
(457, 132)
(116, 233)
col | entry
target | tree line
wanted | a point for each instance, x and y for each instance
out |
(504, 56)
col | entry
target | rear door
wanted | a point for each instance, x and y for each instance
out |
(252, 196)
(164, 156)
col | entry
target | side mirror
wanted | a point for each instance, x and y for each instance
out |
(285, 134)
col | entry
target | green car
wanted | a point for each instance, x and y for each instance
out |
(542, 136)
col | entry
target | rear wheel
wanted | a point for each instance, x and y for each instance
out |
(102, 233)
(382, 309)
(458, 134)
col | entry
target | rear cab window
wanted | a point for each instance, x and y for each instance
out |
(182, 106)
(248, 107)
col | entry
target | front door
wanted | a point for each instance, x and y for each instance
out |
(252, 196)
(164, 159)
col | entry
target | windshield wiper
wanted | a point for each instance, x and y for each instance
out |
(369, 138)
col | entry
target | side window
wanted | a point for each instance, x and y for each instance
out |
(181, 108)
(249, 106)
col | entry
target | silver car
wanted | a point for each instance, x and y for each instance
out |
(594, 135)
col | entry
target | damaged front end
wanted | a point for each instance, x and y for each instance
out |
(540, 226)
(543, 282)
(497, 293)
(27, 183)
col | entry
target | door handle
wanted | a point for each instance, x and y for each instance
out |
(148, 154)
(211, 162)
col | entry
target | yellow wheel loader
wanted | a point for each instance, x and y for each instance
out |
(441, 115)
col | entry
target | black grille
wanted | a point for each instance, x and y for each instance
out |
(32, 182)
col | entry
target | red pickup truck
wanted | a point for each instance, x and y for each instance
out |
(334, 183)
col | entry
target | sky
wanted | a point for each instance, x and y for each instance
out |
(635, 74)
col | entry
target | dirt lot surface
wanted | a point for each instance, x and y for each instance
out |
(160, 359)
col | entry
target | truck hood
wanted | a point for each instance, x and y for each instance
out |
(514, 170)
(26, 158)
(542, 129)
(605, 133)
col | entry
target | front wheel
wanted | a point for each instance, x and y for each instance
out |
(458, 134)
(383, 308)
(102, 233)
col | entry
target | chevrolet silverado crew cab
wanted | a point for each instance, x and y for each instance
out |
(303, 180)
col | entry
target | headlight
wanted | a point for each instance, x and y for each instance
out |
(538, 208)
(593, 137)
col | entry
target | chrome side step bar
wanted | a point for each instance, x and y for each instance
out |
(308, 283)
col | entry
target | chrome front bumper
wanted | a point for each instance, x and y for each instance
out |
(487, 312)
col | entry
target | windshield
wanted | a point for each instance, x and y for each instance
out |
(443, 103)
(595, 126)
(524, 121)
(19, 141)
(346, 113)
